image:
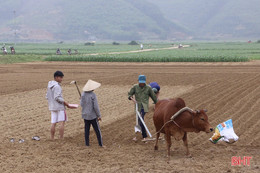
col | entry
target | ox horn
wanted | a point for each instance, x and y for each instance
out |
(197, 111)
(205, 110)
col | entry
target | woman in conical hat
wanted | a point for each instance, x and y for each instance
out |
(90, 110)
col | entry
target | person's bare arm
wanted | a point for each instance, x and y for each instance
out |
(58, 97)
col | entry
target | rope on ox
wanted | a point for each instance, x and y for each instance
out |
(174, 116)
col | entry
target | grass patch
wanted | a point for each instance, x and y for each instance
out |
(198, 52)
(10, 59)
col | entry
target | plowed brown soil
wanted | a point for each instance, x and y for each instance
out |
(227, 90)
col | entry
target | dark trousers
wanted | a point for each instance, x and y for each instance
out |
(141, 124)
(96, 127)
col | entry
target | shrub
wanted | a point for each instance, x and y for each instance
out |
(133, 43)
(89, 44)
(115, 43)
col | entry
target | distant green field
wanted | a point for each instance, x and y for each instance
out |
(197, 52)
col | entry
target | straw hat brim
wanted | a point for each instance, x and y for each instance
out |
(91, 85)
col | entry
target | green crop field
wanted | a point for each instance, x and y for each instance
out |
(106, 52)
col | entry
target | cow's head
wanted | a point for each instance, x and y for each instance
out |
(201, 121)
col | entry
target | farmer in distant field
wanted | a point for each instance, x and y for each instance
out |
(56, 104)
(142, 92)
(141, 46)
(4, 50)
(69, 52)
(58, 52)
(90, 110)
(12, 50)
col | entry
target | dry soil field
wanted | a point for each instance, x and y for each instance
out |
(227, 90)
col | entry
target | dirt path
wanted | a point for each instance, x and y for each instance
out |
(137, 51)
(227, 90)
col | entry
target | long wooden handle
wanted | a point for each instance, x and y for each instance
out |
(78, 89)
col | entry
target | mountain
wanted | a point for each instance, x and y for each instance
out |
(85, 20)
(214, 19)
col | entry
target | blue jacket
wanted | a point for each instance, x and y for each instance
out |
(155, 85)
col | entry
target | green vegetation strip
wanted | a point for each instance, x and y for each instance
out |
(197, 52)
(148, 59)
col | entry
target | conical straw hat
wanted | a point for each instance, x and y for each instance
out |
(91, 85)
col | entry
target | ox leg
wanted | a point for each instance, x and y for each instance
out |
(185, 142)
(156, 142)
(169, 144)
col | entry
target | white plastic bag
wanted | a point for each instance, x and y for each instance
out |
(224, 132)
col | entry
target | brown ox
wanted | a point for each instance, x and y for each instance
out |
(187, 121)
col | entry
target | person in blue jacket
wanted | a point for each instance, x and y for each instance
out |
(156, 88)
